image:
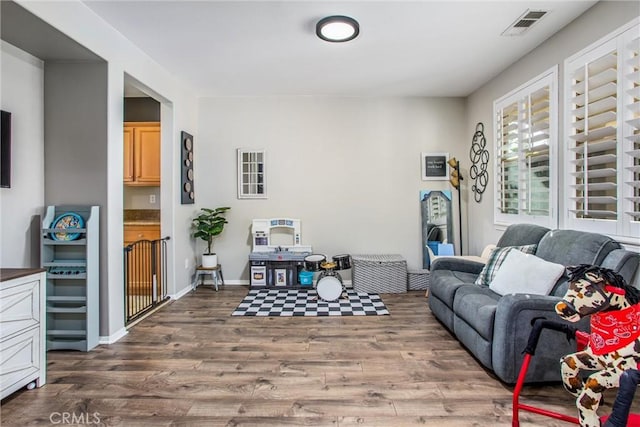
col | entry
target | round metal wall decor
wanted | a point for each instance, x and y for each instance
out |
(187, 194)
(480, 159)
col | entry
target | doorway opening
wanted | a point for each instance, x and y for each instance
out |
(145, 251)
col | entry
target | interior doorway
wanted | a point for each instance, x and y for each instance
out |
(145, 251)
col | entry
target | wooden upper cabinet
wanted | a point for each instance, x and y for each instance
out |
(142, 153)
(128, 154)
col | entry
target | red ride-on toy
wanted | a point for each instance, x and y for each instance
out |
(629, 380)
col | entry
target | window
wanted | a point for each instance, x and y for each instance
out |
(526, 141)
(602, 135)
(251, 174)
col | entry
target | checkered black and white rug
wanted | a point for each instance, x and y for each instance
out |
(305, 302)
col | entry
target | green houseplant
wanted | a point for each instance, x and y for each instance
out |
(208, 224)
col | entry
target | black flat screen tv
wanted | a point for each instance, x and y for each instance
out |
(5, 149)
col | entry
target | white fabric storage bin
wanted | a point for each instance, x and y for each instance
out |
(385, 274)
(418, 279)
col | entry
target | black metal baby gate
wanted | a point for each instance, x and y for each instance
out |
(145, 277)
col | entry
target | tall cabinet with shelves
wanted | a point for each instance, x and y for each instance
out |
(71, 258)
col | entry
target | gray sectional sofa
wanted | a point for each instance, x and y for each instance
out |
(495, 328)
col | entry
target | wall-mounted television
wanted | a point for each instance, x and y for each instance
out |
(5, 149)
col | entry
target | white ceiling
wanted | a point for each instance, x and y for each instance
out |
(405, 48)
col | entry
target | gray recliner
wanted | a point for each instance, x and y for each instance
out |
(495, 328)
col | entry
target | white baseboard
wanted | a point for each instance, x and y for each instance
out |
(182, 292)
(246, 282)
(110, 339)
(236, 282)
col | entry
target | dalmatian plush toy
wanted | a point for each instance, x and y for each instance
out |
(614, 342)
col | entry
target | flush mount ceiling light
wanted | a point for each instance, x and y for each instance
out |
(337, 29)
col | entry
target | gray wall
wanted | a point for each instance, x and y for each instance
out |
(594, 24)
(141, 110)
(75, 111)
(101, 133)
(349, 168)
(22, 82)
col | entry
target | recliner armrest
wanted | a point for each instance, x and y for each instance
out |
(457, 264)
(512, 327)
(623, 262)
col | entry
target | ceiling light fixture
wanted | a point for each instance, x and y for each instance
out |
(337, 29)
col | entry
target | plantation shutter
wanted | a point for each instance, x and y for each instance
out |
(536, 150)
(603, 136)
(632, 142)
(508, 155)
(593, 142)
(525, 133)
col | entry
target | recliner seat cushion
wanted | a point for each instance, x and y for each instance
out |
(444, 284)
(476, 305)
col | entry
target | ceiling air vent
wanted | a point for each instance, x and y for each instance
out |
(524, 22)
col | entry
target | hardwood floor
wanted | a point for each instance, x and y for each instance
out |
(191, 363)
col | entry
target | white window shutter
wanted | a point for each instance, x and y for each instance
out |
(526, 137)
(602, 113)
(631, 142)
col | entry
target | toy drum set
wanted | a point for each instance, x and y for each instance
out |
(329, 285)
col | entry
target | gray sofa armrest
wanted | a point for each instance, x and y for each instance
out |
(515, 314)
(457, 264)
(623, 262)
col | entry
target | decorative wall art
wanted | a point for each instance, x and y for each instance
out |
(187, 191)
(252, 178)
(5, 149)
(435, 167)
(479, 160)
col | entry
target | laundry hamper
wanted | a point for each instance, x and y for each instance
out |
(418, 280)
(386, 274)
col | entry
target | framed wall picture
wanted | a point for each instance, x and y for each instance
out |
(434, 166)
(252, 178)
(186, 176)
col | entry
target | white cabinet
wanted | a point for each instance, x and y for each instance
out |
(70, 256)
(22, 330)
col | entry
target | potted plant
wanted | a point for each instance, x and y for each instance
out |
(207, 225)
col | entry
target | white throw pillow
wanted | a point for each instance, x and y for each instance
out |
(522, 273)
(496, 258)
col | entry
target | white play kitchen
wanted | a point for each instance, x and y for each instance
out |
(279, 259)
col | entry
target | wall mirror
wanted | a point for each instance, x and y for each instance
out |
(437, 227)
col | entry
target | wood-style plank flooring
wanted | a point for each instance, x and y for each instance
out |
(191, 363)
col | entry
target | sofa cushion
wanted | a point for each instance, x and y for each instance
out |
(496, 259)
(476, 305)
(571, 247)
(444, 283)
(522, 234)
(526, 274)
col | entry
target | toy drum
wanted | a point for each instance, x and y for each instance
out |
(314, 262)
(343, 262)
(329, 286)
